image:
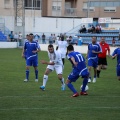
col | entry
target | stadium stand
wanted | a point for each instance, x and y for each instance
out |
(3, 38)
(108, 34)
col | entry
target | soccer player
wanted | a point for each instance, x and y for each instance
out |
(92, 54)
(54, 64)
(79, 69)
(116, 53)
(32, 48)
(102, 60)
(62, 48)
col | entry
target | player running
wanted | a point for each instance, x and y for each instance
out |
(54, 64)
(102, 60)
(62, 48)
(92, 54)
(116, 53)
(79, 69)
(32, 48)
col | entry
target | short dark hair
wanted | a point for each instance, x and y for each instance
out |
(31, 34)
(50, 46)
(70, 48)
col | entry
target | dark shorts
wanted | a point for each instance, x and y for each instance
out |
(118, 70)
(93, 63)
(75, 74)
(32, 62)
(102, 61)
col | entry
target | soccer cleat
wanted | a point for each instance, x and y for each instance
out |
(63, 87)
(26, 80)
(75, 95)
(42, 88)
(94, 80)
(89, 80)
(36, 80)
(83, 93)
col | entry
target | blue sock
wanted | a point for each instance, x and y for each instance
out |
(85, 81)
(71, 87)
(36, 74)
(27, 74)
(94, 76)
(90, 77)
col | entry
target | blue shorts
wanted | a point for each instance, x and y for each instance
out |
(118, 70)
(32, 62)
(93, 63)
(75, 74)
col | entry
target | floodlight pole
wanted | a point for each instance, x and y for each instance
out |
(19, 13)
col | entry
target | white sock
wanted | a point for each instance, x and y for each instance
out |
(62, 81)
(45, 79)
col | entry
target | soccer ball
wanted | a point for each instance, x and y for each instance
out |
(86, 88)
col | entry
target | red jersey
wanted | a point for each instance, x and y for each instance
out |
(105, 47)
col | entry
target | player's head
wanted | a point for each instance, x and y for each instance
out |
(70, 48)
(50, 48)
(62, 38)
(102, 39)
(31, 37)
(94, 39)
(27, 37)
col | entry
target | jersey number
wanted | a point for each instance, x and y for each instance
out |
(80, 58)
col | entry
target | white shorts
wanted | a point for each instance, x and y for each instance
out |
(63, 55)
(57, 68)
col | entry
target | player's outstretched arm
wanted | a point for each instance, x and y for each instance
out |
(47, 63)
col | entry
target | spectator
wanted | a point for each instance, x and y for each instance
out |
(80, 38)
(113, 42)
(97, 29)
(11, 36)
(90, 29)
(70, 39)
(54, 38)
(43, 39)
(51, 39)
(16, 37)
(20, 38)
(83, 29)
(36, 37)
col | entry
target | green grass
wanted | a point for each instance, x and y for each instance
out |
(24, 101)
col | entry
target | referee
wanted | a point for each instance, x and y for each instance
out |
(102, 60)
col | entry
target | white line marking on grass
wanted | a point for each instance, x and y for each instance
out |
(47, 96)
(56, 108)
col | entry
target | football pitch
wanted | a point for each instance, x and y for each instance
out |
(25, 101)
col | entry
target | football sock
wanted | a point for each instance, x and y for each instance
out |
(36, 74)
(45, 79)
(85, 81)
(71, 87)
(62, 80)
(98, 73)
(89, 77)
(27, 74)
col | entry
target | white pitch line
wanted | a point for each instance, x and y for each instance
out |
(55, 96)
(63, 108)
